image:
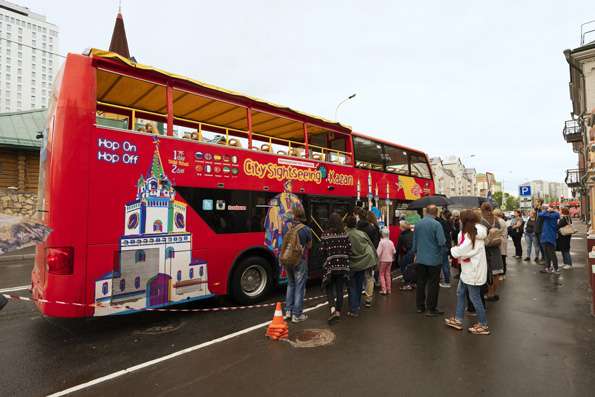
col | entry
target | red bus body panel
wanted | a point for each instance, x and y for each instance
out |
(92, 181)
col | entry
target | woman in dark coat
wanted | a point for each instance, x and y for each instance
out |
(563, 242)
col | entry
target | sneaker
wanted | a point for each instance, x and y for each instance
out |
(556, 271)
(299, 319)
(333, 318)
(527, 259)
(566, 267)
(545, 270)
(352, 314)
(368, 304)
(287, 316)
(445, 285)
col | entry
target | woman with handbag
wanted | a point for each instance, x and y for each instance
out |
(565, 232)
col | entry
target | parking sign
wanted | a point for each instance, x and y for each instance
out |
(525, 191)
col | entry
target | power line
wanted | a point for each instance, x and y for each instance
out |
(34, 48)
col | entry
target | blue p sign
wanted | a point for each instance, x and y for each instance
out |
(524, 191)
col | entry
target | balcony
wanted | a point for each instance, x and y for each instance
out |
(577, 146)
(573, 178)
(573, 131)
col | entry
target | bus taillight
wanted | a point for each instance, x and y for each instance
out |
(60, 260)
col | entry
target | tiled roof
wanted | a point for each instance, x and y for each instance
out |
(21, 128)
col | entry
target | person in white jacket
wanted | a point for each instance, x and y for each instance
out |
(470, 251)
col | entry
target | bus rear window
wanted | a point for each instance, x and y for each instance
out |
(419, 166)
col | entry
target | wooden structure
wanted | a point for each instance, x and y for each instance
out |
(19, 149)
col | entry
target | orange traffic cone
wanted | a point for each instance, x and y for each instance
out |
(278, 328)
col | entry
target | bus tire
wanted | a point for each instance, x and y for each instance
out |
(252, 280)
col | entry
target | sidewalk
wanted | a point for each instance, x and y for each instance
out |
(19, 255)
(542, 343)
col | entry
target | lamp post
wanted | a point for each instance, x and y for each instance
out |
(342, 102)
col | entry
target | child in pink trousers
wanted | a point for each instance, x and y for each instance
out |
(386, 255)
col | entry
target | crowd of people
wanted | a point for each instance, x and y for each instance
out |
(356, 253)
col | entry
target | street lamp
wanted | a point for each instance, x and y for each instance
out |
(342, 102)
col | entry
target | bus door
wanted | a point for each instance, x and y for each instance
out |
(318, 211)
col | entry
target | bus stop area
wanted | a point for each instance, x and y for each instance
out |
(542, 342)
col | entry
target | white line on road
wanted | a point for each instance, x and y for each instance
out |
(129, 370)
(13, 289)
(117, 374)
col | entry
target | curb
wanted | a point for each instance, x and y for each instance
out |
(12, 258)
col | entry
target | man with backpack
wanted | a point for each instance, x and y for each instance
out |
(294, 258)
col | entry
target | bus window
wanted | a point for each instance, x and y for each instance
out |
(396, 160)
(368, 154)
(419, 166)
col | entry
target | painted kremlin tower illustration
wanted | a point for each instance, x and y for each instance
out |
(156, 265)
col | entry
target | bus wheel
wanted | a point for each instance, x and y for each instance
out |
(252, 280)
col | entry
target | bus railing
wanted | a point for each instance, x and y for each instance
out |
(233, 137)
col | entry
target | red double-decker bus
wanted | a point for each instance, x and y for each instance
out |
(161, 190)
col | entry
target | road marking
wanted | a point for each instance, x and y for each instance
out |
(13, 289)
(182, 352)
(137, 367)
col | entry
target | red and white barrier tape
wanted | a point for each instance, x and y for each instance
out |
(148, 309)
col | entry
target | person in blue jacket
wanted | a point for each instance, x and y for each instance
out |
(549, 234)
(428, 246)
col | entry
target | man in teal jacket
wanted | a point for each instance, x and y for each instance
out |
(428, 243)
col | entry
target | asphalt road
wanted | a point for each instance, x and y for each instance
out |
(543, 342)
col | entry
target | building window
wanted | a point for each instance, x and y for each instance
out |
(122, 284)
(137, 282)
(201, 271)
(191, 273)
(139, 256)
(170, 253)
(179, 275)
(104, 288)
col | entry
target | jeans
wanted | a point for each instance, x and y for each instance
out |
(550, 255)
(296, 288)
(427, 276)
(404, 261)
(355, 290)
(532, 243)
(334, 291)
(446, 265)
(566, 258)
(475, 296)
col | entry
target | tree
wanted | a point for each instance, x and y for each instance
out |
(511, 203)
(498, 198)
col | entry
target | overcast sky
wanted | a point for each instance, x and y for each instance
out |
(447, 77)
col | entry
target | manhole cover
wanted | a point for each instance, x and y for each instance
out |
(162, 328)
(313, 338)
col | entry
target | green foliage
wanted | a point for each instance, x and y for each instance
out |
(511, 203)
(498, 198)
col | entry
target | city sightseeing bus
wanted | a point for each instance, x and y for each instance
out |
(160, 189)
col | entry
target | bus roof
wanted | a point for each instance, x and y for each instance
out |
(232, 96)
